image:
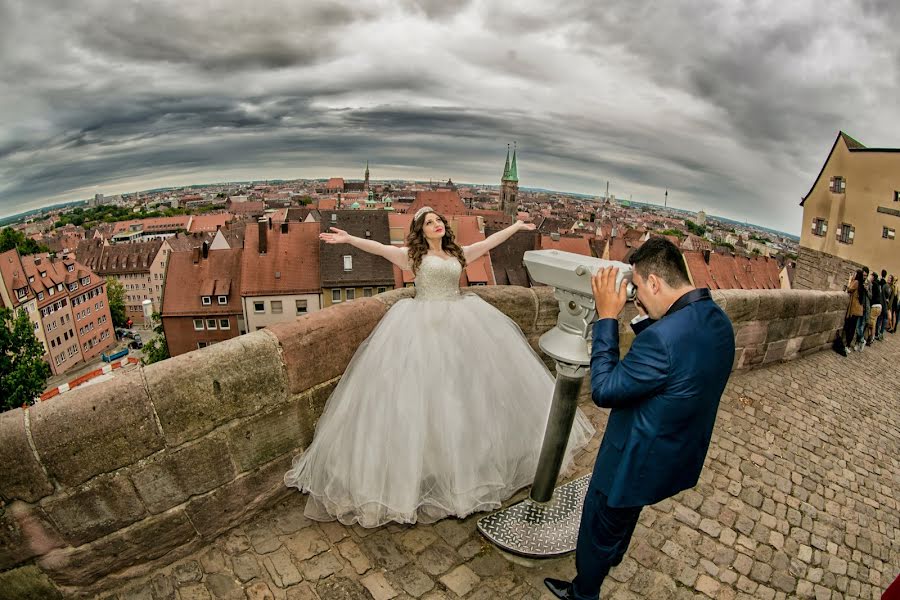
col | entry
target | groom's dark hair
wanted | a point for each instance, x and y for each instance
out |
(662, 258)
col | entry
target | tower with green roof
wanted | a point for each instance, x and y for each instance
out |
(509, 184)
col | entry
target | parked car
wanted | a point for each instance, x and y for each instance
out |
(136, 345)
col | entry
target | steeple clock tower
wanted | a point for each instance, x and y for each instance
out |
(366, 184)
(509, 185)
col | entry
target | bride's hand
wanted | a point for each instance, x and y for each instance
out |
(338, 237)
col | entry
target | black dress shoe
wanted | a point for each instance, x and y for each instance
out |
(560, 589)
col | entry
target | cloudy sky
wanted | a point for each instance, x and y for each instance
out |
(731, 106)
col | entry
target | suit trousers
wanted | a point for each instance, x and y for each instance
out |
(603, 538)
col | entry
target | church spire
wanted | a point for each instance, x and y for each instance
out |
(506, 166)
(513, 174)
(366, 184)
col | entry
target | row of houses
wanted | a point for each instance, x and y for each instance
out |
(66, 303)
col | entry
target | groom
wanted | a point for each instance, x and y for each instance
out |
(664, 395)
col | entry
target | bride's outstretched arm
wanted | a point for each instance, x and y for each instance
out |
(397, 255)
(479, 249)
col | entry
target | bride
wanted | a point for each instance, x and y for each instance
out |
(442, 409)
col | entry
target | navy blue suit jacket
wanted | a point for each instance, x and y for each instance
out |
(664, 395)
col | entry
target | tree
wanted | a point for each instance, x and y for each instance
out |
(115, 294)
(156, 348)
(23, 372)
(11, 238)
(698, 230)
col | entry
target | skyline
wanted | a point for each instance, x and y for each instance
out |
(732, 109)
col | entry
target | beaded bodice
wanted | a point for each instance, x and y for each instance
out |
(437, 278)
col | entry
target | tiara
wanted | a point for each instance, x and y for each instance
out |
(422, 211)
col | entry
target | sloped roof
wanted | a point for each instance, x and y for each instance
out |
(444, 202)
(290, 264)
(118, 259)
(187, 282)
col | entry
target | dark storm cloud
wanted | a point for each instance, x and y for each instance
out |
(730, 106)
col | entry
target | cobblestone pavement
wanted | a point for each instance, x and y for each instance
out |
(798, 500)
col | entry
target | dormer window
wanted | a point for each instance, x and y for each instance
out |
(70, 268)
(40, 296)
(206, 300)
(43, 273)
(73, 286)
(59, 287)
(31, 279)
(223, 299)
(348, 262)
(838, 185)
(85, 280)
(21, 293)
(51, 291)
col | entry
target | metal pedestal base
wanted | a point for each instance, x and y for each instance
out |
(539, 530)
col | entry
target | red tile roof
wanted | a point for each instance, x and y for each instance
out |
(576, 245)
(153, 224)
(326, 204)
(13, 275)
(444, 202)
(209, 222)
(335, 183)
(187, 281)
(290, 264)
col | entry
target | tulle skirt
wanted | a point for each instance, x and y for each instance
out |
(441, 411)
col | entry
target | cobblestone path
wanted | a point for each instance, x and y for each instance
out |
(798, 499)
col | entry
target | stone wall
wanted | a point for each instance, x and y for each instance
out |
(112, 481)
(819, 271)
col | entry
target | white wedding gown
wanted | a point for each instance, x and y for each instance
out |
(441, 412)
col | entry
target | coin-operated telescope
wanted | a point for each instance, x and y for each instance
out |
(546, 523)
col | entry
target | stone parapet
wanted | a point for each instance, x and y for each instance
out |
(112, 481)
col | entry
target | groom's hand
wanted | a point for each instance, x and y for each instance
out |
(608, 298)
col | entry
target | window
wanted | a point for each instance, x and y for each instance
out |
(198, 324)
(202, 344)
(224, 324)
(21, 293)
(70, 268)
(838, 185)
(301, 307)
(382, 289)
(31, 279)
(206, 300)
(276, 307)
(59, 287)
(259, 307)
(211, 324)
(887, 233)
(43, 273)
(51, 291)
(351, 294)
(222, 299)
(367, 292)
(335, 295)
(896, 199)
(348, 262)
(819, 227)
(334, 217)
(845, 233)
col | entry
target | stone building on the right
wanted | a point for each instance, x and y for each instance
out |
(850, 216)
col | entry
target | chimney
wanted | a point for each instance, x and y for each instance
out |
(205, 247)
(195, 254)
(284, 227)
(262, 237)
(554, 237)
(706, 256)
(270, 222)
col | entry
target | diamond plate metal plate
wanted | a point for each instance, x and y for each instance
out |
(539, 530)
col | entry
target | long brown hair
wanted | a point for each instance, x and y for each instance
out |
(418, 245)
